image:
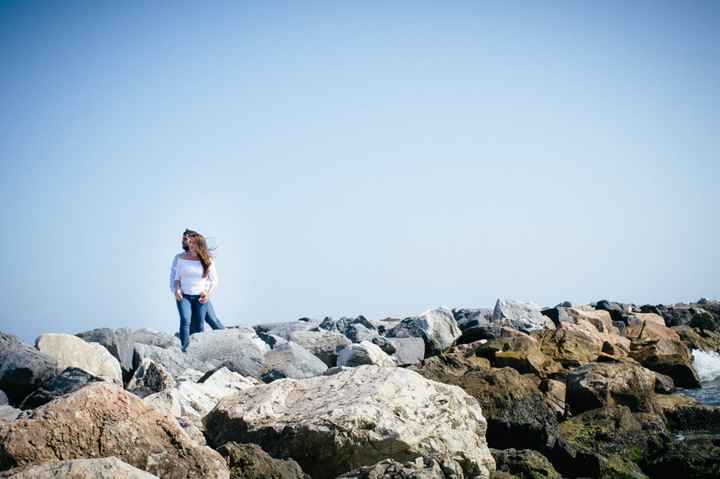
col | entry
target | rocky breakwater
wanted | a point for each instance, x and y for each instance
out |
(567, 391)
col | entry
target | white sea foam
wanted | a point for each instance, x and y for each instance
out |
(707, 364)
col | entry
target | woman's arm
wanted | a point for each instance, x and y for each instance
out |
(178, 289)
(212, 281)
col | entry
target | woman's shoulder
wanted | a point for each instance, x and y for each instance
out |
(187, 258)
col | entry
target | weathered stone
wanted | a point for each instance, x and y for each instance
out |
(69, 381)
(323, 344)
(239, 349)
(664, 384)
(149, 378)
(8, 413)
(356, 417)
(3, 398)
(694, 455)
(524, 463)
(521, 352)
(101, 468)
(685, 416)
(707, 341)
(437, 327)
(71, 351)
(524, 317)
(290, 360)
(420, 468)
(284, 330)
(596, 385)
(667, 356)
(172, 359)
(408, 350)
(608, 442)
(22, 368)
(103, 420)
(555, 394)
(616, 310)
(364, 353)
(249, 461)
(167, 402)
(639, 328)
(572, 345)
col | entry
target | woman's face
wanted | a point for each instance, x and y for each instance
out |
(193, 248)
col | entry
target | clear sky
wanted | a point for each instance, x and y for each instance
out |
(373, 158)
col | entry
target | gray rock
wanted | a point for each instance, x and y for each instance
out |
(358, 333)
(323, 344)
(476, 324)
(3, 398)
(524, 317)
(383, 343)
(22, 368)
(596, 385)
(285, 329)
(239, 349)
(149, 378)
(71, 351)
(664, 384)
(102, 468)
(420, 468)
(68, 381)
(436, 326)
(172, 359)
(355, 418)
(364, 353)
(408, 350)
(290, 360)
(8, 413)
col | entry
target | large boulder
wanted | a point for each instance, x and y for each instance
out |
(69, 381)
(71, 351)
(524, 317)
(521, 352)
(150, 378)
(323, 344)
(596, 385)
(707, 341)
(692, 455)
(407, 350)
(101, 468)
(239, 349)
(357, 417)
(364, 353)
(249, 461)
(608, 442)
(667, 356)
(22, 368)
(290, 360)
(437, 327)
(172, 359)
(104, 420)
(524, 463)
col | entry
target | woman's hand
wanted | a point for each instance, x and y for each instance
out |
(203, 298)
(178, 294)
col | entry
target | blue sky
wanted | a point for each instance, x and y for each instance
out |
(377, 158)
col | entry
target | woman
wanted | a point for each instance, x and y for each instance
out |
(195, 281)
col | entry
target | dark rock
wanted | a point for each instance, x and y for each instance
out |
(667, 356)
(437, 327)
(424, 467)
(694, 418)
(150, 378)
(22, 368)
(664, 384)
(68, 381)
(616, 310)
(385, 344)
(692, 456)
(649, 308)
(703, 340)
(524, 463)
(249, 461)
(328, 324)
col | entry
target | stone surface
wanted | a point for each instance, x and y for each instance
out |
(664, 384)
(520, 352)
(420, 468)
(101, 468)
(521, 316)
(71, 351)
(408, 350)
(172, 359)
(69, 381)
(3, 398)
(524, 463)
(150, 378)
(323, 344)
(437, 327)
(249, 461)
(364, 353)
(102, 419)
(667, 356)
(596, 385)
(239, 349)
(290, 360)
(691, 456)
(354, 418)
(22, 368)
(8, 413)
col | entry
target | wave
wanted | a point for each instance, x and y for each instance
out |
(707, 364)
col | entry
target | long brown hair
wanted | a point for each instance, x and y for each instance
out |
(202, 251)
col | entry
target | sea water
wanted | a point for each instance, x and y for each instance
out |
(707, 364)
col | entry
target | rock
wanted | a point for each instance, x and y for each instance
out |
(385, 344)
(667, 356)
(707, 341)
(701, 315)
(608, 442)
(521, 353)
(694, 455)
(239, 349)
(601, 320)
(102, 468)
(596, 385)
(284, 330)
(639, 328)
(22, 368)
(664, 384)
(103, 420)
(323, 344)
(420, 468)
(572, 345)
(616, 310)
(290, 360)
(149, 378)
(364, 353)
(3, 398)
(249, 461)
(8, 413)
(408, 350)
(524, 463)
(437, 327)
(69, 381)
(555, 394)
(358, 333)
(71, 351)
(688, 417)
(516, 411)
(166, 402)
(193, 431)
(524, 317)
(354, 418)
(172, 359)
(475, 324)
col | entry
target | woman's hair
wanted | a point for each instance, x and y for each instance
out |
(202, 251)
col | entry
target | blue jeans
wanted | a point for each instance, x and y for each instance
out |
(192, 317)
(212, 318)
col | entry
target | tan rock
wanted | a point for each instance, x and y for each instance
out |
(103, 468)
(71, 351)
